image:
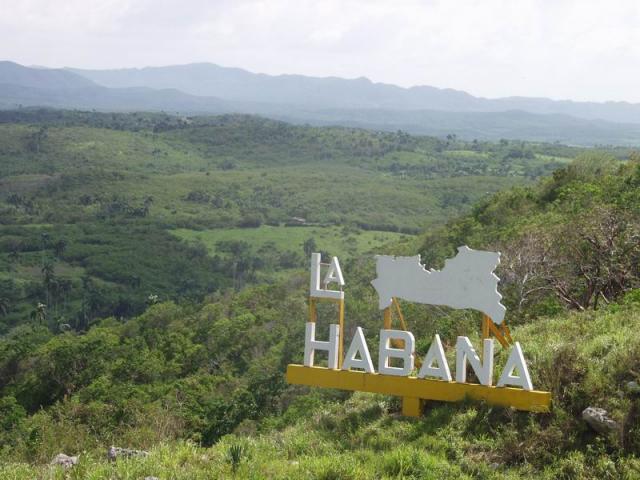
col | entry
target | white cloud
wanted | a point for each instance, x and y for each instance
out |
(556, 48)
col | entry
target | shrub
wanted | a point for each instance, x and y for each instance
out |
(235, 455)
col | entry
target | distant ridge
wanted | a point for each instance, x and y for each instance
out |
(28, 86)
(14, 74)
(235, 84)
(201, 89)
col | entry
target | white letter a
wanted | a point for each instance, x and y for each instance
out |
(358, 347)
(435, 354)
(516, 362)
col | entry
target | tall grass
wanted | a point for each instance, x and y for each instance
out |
(584, 359)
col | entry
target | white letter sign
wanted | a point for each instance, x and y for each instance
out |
(465, 352)
(386, 352)
(516, 362)
(311, 345)
(334, 275)
(466, 281)
(358, 347)
(435, 354)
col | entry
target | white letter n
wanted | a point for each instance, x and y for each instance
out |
(465, 352)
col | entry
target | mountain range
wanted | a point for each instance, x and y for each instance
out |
(205, 88)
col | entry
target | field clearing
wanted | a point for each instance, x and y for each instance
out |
(335, 240)
(553, 158)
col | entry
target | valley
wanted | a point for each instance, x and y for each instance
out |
(154, 284)
(224, 202)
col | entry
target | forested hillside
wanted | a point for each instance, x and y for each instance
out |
(204, 361)
(104, 214)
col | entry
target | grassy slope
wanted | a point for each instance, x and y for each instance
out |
(336, 240)
(364, 438)
(277, 181)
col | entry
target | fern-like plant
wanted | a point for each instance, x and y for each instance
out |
(235, 455)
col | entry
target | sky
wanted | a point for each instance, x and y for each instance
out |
(561, 49)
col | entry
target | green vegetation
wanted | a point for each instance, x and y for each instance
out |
(94, 206)
(127, 324)
(339, 241)
(321, 435)
(571, 240)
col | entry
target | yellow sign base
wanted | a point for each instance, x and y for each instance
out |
(414, 389)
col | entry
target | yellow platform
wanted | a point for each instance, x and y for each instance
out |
(413, 389)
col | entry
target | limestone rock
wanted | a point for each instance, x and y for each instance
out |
(598, 419)
(117, 452)
(633, 387)
(64, 460)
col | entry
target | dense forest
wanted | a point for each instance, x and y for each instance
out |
(148, 297)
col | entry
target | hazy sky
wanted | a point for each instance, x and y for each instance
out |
(578, 49)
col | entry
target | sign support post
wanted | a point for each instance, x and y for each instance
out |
(502, 333)
(411, 406)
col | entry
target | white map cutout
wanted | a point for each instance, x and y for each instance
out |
(466, 281)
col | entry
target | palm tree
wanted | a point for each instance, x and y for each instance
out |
(4, 306)
(148, 201)
(59, 247)
(39, 314)
(48, 278)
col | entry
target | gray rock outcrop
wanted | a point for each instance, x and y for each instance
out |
(598, 419)
(64, 460)
(117, 452)
(633, 387)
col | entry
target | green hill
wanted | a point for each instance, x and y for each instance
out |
(94, 207)
(200, 381)
(308, 430)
